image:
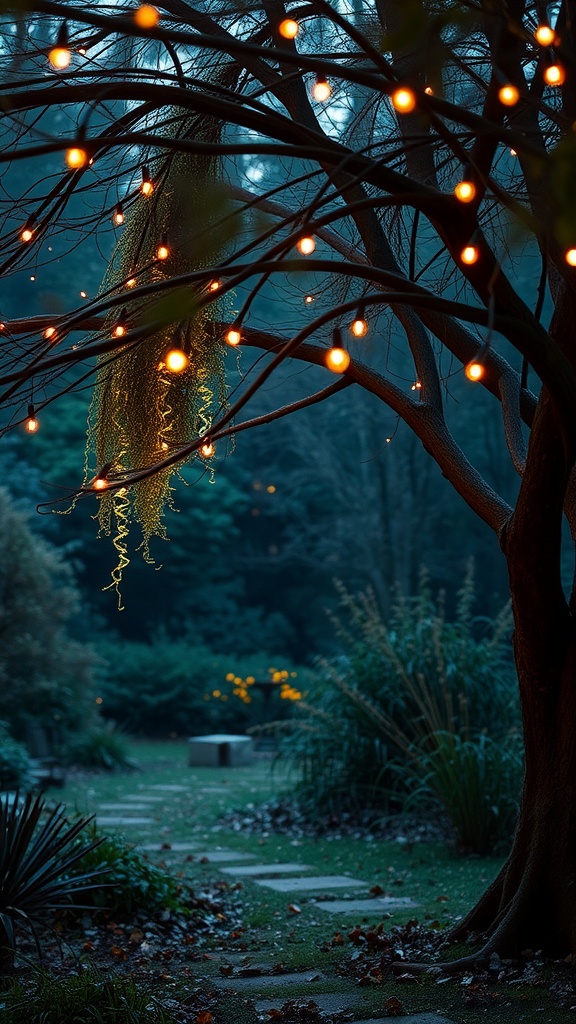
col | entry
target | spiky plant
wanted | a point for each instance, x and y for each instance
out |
(37, 849)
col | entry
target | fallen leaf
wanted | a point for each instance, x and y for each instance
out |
(226, 969)
(393, 1007)
(118, 952)
(204, 1017)
(337, 939)
(294, 909)
(377, 890)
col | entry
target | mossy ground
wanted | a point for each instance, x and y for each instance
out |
(443, 885)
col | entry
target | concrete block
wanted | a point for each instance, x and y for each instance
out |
(220, 750)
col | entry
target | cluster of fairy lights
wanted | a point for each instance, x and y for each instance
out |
(403, 99)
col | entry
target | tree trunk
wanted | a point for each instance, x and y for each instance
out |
(532, 902)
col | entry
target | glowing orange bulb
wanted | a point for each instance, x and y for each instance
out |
(118, 217)
(337, 360)
(544, 35)
(403, 100)
(508, 95)
(146, 16)
(26, 235)
(162, 252)
(306, 245)
(76, 157)
(289, 28)
(359, 327)
(214, 285)
(100, 484)
(60, 57)
(469, 254)
(176, 360)
(146, 188)
(429, 90)
(570, 257)
(321, 90)
(208, 449)
(49, 333)
(32, 424)
(131, 282)
(465, 191)
(233, 337)
(119, 331)
(555, 75)
(309, 299)
(474, 371)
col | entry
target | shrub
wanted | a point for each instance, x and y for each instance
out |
(103, 746)
(38, 848)
(132, 884)
(86, 997)
(14, 763)
(380, 711)
(475, 783)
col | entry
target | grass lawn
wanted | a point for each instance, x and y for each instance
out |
(291, 929)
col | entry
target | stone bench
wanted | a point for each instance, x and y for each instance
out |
(220, 750)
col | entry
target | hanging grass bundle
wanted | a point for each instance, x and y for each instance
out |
(159, 393)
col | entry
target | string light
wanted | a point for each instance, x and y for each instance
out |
(118, 217)
(120, 327)
(32, 423)
(208, 450)
(83, 295)
(474, 370)
(465, 190)
(570, 257)
(146, 16)
(163, 252)
(337, 358)
(508, 95)
(233, 336)
(176, 360)
(214, 285)
(309, 299)
(417, 386)
(555, 75)
(289, 28)
(49, 333)
(27, 233)
(545, 35)
(321, 90)
(469, 254)
(403, 100)
(429, 90)
(131, 282)
(76, 157)
(359, 326)
(100, 483)
(147, 186)
(60, 56)
(306, 245)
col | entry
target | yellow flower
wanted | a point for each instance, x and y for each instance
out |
(250, 680)
(216, 693)
(230, 677)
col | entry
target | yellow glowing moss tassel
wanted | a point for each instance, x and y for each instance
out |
(140, 410)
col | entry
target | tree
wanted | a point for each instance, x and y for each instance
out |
(425, 152)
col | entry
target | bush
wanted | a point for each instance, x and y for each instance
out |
(475, 783)
(382, 711)
(86, 997)
(132, 884)
(104, 746)
(169, 685)
(14, 763)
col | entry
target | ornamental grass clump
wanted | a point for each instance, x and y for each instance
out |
(415, 706)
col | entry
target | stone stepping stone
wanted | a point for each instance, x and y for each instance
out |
(328, 1002)
(411, 1018)
(221, 856)
(314, 882)
(143, 797)
(369, 906)
(265, 869)
(171, 848)
(264, 981)
(117, 820)
(169, 788)
(123, 807)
